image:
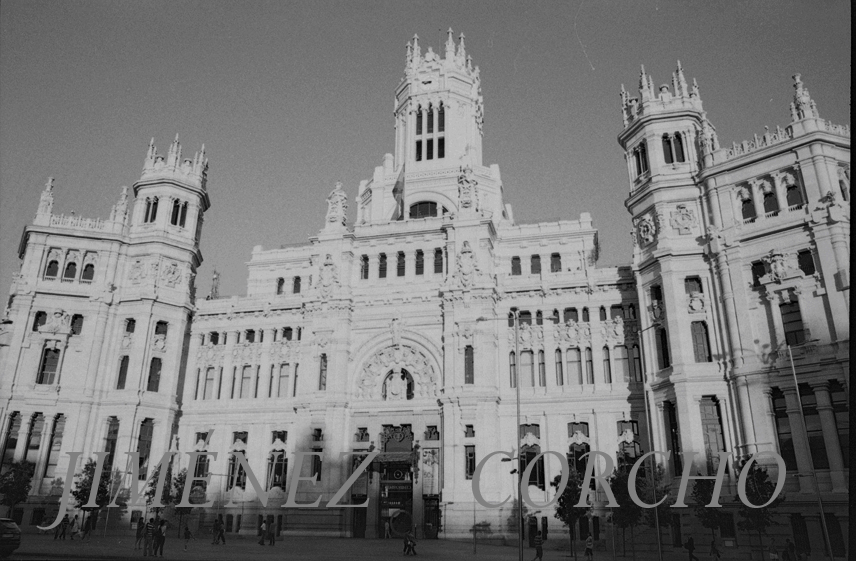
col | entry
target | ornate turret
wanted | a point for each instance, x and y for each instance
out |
(663, 100)
(193, 172)
(803, 106)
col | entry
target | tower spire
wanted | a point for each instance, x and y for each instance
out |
(450, 45)
(682, 81)
(803, 106)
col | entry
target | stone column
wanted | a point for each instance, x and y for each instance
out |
(776, 316)
(750, 440)
(801, 448)
(23, 434)
(265, 383)
(830, 436)
(757, 200)
(780, 188)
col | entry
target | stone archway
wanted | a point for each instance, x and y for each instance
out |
(403, 360)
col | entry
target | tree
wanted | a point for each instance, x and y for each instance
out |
(16, 483)
(167, 494)
(629, 513)
(662, 488)
(759, 490)
(178, 483)
(108, 485)
(702, 494)
(566, 509)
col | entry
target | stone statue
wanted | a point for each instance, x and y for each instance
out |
(46, 200)
(467, 192)
(337, 206)
(328, 277)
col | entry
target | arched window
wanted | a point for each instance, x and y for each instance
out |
(607, 366)
(176, 212)
(70, 271)
(631, 311)
(571, 315)
(469, 365)
(88, 273)
(161, 328)
(575, 371)
(622, 364)
(637, 364)
(527, 369)
(438, 261)
(423, 209)
(515, 266)
(280, 285)
(771, 205)
(535, 265)
(420, 262)
(640, 155)
(39, 320)
(295, 288)
(277, 469)
(747, 209)
(398, 385)
(381, 266)
(154, 375)
(401, 264)
(539, 318)
(602, 313)
(130, 325)
(52, 270)
(560, 378)
(667, 149)
(427, 134)
(542, 370)
(793, 196)
(758, 271)
(151, 209)
(555, 263)
(76, 324)
(678, 143)
(585, 315)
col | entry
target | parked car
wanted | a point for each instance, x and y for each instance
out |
(10, 537)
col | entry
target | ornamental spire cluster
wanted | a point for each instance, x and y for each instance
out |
(193, 170)
(666, 97)
(455, 54)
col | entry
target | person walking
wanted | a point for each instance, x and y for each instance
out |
(409, 543)
(589, 548)
(72, 528)
(221, 532)
(774, 551)
(187, 537)
(86, 530)
(160, 538)
(790, 551)
(271, 533)
(63, 526)
(714, 551)
(215, 531)
(539, 547)
(262, 532)
(690, 547)
(148, 537)
(387, 533)
(141, 532)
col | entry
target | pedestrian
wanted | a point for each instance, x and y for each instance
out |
(72, 528)
(271, 533)
(262, 532)
(221, 533)
(215, 531)
(148, 537)
(589, 548)
(790, 552)
(87, 528)
(409, 543)
(187, 537)
(160, 538)
(386, 530)
(539, 547)
(141, 532)
(714, 551)
(690, 547)
(63, 526)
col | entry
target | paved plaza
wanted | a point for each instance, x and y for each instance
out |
(305, 548)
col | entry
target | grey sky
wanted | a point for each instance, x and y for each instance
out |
(290, 97)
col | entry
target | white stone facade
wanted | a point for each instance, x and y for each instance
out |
(394, 333)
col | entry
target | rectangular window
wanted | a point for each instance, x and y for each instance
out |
(589, 367)
(535, 265)
(54, 446)
(430, 114)
(701, 346)
(11, 440)
(469, 365)
(294, 390)
(470, 458)
(429, 149)
(418, 150)
(622, 364)
(208, 388)
(691, 285)
(515, 266)
(110, 442)
(637, 364)
(282, 382)
(663, 348)
(400, 266)
(570, 315)
(842, 418)
(527, 368)
(364, 267)
(419, 122)
(381, 266)
(512, 369)
(246, 382)
(616, 311)
(322, 373)
(48, 368)
(277, 470)
(802, 543)
(607, 366)
(560, 378)
(34, 438)
(536, 476)
(575, 371)
(674, 437)
(542, 370)
(76, 324)
(420, 262)
(758, 271)
(123, 373)
(316, 463)
(813, 427)
(792, 323)
(438, 261)
(805, 260)
(555, 263)
(144, 446)
(441, 148)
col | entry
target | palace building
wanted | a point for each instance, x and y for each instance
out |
(412, 328)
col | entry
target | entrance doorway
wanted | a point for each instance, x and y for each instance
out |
(396, 498)
(431, 524)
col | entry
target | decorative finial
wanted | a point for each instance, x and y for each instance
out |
(450, 45)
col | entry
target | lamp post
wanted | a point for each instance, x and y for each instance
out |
(648, 421)
(516, 314)
(810, 459)
(474, 527)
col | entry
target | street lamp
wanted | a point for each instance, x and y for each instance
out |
(810, 459)
(648, 422)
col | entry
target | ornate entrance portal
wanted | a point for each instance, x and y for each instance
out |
(398, 463)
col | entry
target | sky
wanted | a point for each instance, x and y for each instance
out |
(290, 97)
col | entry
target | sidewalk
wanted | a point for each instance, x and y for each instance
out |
(35, 546)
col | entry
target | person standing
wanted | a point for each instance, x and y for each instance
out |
(589, 548)
(141, 532)
(215, 531)
(63, 526)
(386, 530)
(187, 536)
(221, 532)
(539, 547)
(790, 551)
(160, 538)
(409, 543)
(690, 547)
(262, 532)
(149, 537)
(271, 533)
(87, 528)
(72, 528)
